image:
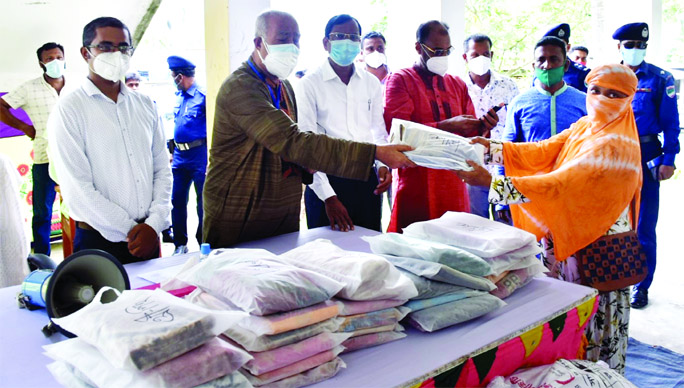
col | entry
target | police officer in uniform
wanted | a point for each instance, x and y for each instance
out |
(655, 111)
(576, 72)
(190, 149)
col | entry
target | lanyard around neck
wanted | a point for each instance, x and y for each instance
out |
(275, 98)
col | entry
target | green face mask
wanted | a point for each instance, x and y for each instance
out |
(551, 76)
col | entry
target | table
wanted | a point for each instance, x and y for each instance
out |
(421, 359)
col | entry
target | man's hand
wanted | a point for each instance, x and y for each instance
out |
(463, 125)
(489, 121)
(384, 181)
(30, 131)
(393, 156)
(665, 172)
(143, 241)
(337, 214)
(481, 140)
(478, 177)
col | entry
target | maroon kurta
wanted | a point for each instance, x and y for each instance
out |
(420, 96)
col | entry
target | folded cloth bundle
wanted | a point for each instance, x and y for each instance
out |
(442, 273)
(513, 281)
(396, 244)
(448, 314)
(257, 282)
(210, 361)
(370, 340)
(365, 276)
(422, 304)
(143, 329)
(259, 343)
(311, 376)
(428, 289)
(477, 235)
(371, 319)
(293, 369)
(264, 362)
(350, 307)
(274, 323)
(433, 148)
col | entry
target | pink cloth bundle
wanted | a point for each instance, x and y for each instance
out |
(369, 340)
(293, 369)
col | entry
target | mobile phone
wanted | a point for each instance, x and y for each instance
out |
(498, 107)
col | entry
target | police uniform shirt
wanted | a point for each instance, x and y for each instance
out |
(576, 75)
(655, 108)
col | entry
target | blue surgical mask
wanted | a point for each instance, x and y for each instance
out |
(633, 57)
(344, 51)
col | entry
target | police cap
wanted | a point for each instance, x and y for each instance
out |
(632, 31)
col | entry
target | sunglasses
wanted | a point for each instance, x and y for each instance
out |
(634, 44)
(341, 36)
(438, 52)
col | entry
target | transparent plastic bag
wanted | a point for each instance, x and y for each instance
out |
(293, 369)
(365, 276)
(367, 320)
(259, 343)
(434, 148)
(396, 244)
(143, 328)
(259, 283)
(312, 376)
(370, 340)
(350, 307)
(449, 314)
(203, 364)
(441, 273)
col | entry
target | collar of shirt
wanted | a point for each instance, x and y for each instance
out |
(92, 90)
(494, 76)
(537, 85)
(47, 84)
(328, 73)
(191, 91)
(642, 69)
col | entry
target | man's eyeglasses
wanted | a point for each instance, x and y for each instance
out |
(438, 52)
(340, 36)
(110, 48)
(635, 44)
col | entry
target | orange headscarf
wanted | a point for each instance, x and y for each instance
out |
(581, 180)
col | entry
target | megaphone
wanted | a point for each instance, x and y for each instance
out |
(72, 285)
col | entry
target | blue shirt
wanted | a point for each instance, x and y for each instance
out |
(576, 75)
(537, 115)
(190, 115)
(655, 108)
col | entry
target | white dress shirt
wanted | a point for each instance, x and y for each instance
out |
(37, 98)
(351, 112)
(111, 160)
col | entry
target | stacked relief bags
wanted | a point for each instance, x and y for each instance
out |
(290, 329)
(372, 293)
(147, 339)
(511, 252)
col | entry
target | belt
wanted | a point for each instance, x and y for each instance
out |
(648, 139)
(191, 145)
(83, 225)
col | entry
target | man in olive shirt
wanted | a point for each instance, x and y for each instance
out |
(258, 157)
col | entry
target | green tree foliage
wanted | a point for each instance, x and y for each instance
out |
(515, 27)
(673, 31)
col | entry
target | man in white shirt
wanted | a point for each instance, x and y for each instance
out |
(373, 55)
(487, 89)
(345, 102)
(110, 153)
(37, 97)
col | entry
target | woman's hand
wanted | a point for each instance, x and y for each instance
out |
(478, 177)
(481, 140)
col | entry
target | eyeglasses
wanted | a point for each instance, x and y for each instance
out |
(110, 48)
(340, 36)
(635, 44)
(438, 52)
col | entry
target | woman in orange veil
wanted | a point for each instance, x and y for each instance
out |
(574, 188)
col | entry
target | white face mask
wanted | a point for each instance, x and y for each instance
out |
(55, 68)
(479, 65)
(281, 58)
(438, 65)
(111, 66)
(375, 59)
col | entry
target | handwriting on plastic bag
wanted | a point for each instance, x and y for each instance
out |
(147, 310)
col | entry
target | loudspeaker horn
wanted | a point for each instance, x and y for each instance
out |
(73, 284)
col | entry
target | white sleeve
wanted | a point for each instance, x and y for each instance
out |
(307, 122)
(160, 208)
(378, 128)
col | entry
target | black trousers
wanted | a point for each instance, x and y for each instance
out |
(92, 239)
(364, 207)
